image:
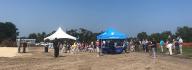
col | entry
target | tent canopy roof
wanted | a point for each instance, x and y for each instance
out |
(111, 34)
(59, 34)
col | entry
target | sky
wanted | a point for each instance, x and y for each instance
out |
(127, 16)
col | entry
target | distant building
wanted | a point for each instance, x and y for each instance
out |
(29, 41)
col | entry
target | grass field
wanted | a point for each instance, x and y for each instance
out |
(187, 52)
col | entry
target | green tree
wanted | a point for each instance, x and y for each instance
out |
(142, 35)
(166, 35)
(50, 33)
(8, 31)
(156, 36)
(32, 36)
(83, 35)
(38, 36)
(185, 32)
(73, 32)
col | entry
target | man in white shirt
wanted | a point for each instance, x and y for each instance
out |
(180, 45)
(169, 46)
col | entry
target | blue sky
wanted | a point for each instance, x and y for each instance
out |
(127, 16)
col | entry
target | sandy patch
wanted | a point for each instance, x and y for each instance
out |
(8, 51)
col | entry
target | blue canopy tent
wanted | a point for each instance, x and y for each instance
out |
(112, 34)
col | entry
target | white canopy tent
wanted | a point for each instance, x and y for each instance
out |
(59, 34)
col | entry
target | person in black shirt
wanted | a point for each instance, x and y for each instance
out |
(154, 48)
(56, 47)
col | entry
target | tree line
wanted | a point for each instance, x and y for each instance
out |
(184, 32)
(8, 34)
(85, 35)
(82, 35)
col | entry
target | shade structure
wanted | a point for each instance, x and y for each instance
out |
(60, 34)
(111, 34)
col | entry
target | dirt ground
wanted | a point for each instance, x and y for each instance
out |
(36, 59)
(12, 51)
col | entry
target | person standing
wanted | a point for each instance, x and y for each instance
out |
(143, 45)
(56, 47)
(46, 48)
(173, 47)
(125, 44)
(103, 45)
(63, 48)
(154, 48)
(146, 45)
(19, 45)
(74, 47)
(24, 47)
(169, 46)
(180, 45)
(92, 45)
(161, 45)
(98, 48)
(177, 47)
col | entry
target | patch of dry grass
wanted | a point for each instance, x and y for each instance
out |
(36, 59)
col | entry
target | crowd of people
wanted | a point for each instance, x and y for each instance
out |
(174, 46)
(169, 46)
(76, 47)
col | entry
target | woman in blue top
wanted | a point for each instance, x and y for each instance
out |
(161, 45)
